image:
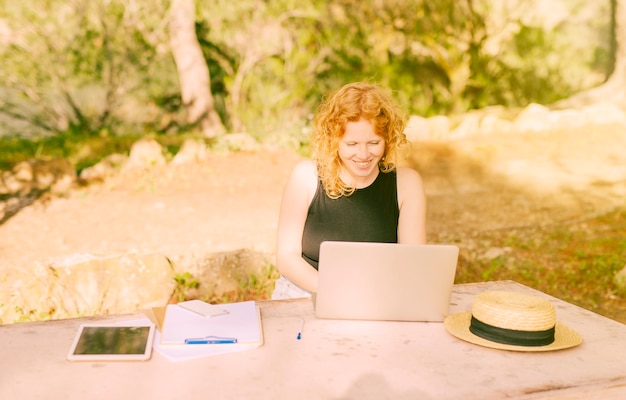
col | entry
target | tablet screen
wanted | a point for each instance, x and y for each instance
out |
(112, 342)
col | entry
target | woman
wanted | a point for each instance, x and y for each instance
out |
(351, 190)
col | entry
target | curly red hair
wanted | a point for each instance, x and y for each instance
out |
(351, 103)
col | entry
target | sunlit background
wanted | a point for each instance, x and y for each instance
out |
(516, 118)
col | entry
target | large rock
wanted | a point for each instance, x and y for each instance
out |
(425, 129)
(604, 113)
(145, 153)
(87, 285)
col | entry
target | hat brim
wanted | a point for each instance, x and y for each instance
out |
(458, 325)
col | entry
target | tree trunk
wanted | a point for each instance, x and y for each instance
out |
(193, 72)
(614, 89)
(618, 8)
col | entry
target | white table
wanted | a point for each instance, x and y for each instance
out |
(333, 360)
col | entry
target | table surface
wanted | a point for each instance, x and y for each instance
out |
(333, 360)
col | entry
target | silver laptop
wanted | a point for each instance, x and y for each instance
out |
(385, 281)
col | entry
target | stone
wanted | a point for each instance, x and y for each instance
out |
(11, 184)
(107, 167)
(563, 120)
(469, 125)
(492, 124)
(604, 113)
(534, 118)
(494, 252)
(82, 285)
(190, 151)
(417, 129)
(145, 153)
(56, 174)
(23, 171)
(439, 127)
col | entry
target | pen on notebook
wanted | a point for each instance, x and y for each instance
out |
(300, 331)
(211, 340)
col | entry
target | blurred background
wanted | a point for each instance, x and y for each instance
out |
(517, 118)
(111, 69)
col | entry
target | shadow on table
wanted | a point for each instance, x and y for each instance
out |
(373, 386)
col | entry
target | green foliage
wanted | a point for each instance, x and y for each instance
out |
(439, 56)
(92, 66)
(28, 315)
(79, 66)
(531, 72)
(81, 150)
(184, 281)
(252, 287)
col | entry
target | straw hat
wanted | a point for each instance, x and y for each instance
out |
(512, 321)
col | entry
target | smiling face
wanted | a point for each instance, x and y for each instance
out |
(360, 151)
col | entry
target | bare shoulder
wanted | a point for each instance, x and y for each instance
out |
(412, 202)
(408, 177)
(305, 167)
(304, 176)
(410, 186)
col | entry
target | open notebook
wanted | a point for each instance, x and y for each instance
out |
(385, 281)
(238, 329)
(240, 325)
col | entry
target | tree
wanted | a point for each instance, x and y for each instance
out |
(614, 89)
(85, 67)
(193, 71)
(253, 57)
(619, 37)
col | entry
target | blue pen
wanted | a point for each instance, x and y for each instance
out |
(301, 327)
(211, 340)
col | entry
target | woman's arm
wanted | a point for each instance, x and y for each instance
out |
(412, 203)
(297, 197)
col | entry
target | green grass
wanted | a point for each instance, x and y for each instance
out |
(251, 287)
(575, 262)
(184, 282)
(81, 150)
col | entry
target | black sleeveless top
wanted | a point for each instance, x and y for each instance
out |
(369, 214)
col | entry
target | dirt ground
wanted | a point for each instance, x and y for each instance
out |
(231, 201)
